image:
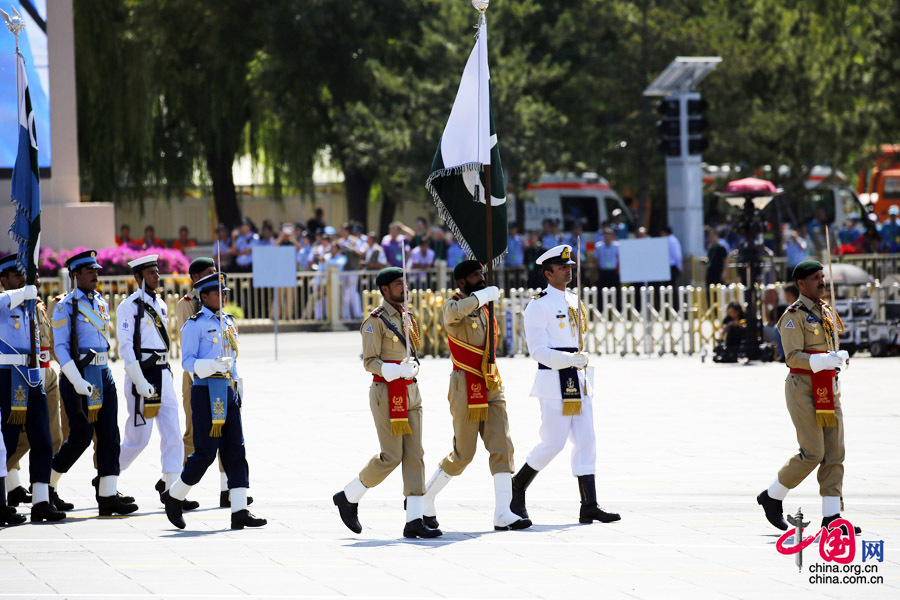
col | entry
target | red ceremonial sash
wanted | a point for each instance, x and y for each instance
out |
(823, 393)
(481, 375)
(399, 401)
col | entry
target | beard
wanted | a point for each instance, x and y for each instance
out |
(474, 287)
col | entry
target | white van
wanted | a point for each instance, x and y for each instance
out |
(587, 199)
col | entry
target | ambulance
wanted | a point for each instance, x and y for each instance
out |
(587, 199)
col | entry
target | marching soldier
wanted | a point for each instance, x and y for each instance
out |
(142, 322)
(81, 342)
(476, 397)
(22, 398)
(563, 385)
(396, 407)
(209, 350)
(808, 333)
(59, 428)
(184, 310)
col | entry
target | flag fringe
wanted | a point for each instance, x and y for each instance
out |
(445, 214)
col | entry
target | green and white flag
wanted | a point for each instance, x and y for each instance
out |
(468, 144)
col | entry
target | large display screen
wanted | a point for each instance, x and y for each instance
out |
(33, 45)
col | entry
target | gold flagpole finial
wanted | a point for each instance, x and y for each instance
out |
(16, 23)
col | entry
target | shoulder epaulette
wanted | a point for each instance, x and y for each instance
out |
(195, 316)
(377, 312)
(457, 296)
(793, 307)
(188, 298)
(541, 295)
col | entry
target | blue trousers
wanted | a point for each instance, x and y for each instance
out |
(230, 446)
(81, 431)
(37, 428)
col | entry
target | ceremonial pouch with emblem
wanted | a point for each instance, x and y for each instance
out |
(93, 374)
(218, 401)
(398, 401)
(569, 388)
(482, 375)
(20, 378)
(823, 393)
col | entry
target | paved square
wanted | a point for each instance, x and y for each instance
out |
(683, 449)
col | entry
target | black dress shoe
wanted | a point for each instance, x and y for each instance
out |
(245, 518)
(160, 487)
(187, 505)
(826, 521)
(44, 511)
(520, 483)
(774, 510)
(96, 483)
(17, 496)
(174, 510)
(225, 499)
(417, 529)
(429, 521)
(9, 516)
(592, 512)
(348, 511)
(515, 526)
(59, 503)
(110, 505)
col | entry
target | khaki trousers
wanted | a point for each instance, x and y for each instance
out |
(494, 432)
(59, 429)
(188, 437)
(821, 447)
(396, 449)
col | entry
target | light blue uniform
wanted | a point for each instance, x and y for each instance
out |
(197, 336)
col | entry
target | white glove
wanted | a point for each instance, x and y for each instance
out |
(240, 387)
(845, 357)
(407, 364)
(206, 367)
(579, 360)
(824, 362)
(17, 297)
(390, 371)
(143, 387)
(488, 294)
(559, 360)
(82, 387)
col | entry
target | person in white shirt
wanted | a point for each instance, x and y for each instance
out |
(564, 386)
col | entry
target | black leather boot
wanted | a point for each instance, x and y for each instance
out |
(826, 521)
(58, 503)
(8, 515)
(774, 510)
(110, 505)
(45, 511)
(349, 511)
(417, 529)
(18, 496)
(96, 483)
(520, 483)
(225, 500)
(174, 510)
(245, 518)
(188, 505)
(590, 512)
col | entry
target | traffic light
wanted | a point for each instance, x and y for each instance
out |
(669, 127)
(696, 125)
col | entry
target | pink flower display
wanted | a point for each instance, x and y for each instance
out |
(115, 260)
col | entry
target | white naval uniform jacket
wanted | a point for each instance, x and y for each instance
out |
(126, 314)
(547, 326)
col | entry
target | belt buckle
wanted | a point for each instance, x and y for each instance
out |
(101, 359)
(162, 359)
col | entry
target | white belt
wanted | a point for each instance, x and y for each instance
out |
(15, 360)
(100, 360)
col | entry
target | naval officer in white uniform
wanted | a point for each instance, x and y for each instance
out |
(563, 385)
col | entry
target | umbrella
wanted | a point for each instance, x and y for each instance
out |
(847, 274)
(749, 186)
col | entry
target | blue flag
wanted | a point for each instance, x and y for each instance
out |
(26, 190)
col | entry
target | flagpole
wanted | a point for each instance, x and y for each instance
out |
(16, 24)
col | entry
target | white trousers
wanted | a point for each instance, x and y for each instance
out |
(556, 428)
(351, 301)
(136, 438)
(3, 471)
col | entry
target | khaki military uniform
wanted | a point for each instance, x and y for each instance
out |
(59, 430)
(184, 310)
(466, 321)
(379, 345)
(823, 447)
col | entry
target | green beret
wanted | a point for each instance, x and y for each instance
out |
(466, 268)
(388, 276)
(198, 265)
(805, 269)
